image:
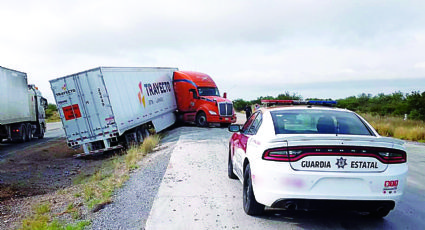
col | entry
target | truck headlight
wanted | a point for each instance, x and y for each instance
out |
(212, 112)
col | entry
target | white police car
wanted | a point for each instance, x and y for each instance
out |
(315, 158)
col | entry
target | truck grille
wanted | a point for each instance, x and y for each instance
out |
(225, 109)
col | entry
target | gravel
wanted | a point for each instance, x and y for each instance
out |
(132, 204)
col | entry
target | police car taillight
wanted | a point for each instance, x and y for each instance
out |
(384, 155)
(393, 157)
(276, 155)
(280, 154)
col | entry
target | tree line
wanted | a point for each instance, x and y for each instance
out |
(395, 104)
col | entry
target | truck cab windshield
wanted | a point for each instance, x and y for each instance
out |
(208, 91)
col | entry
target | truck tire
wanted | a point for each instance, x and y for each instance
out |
(29, 132)
(23, 134)
(201, 119)
(141, 134)
(41, 134)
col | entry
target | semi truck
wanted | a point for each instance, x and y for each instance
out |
(108, 108)
(199, 100)
(22, 107)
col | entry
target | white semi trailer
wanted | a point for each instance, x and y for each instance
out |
(22, 108)
(108, 107)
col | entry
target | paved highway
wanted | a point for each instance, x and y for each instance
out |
(196, 193)
(54, 130)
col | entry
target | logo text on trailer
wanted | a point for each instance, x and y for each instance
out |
(157, 88)
(65, 91)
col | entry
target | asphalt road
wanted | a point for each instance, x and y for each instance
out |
(196, 193)
(53, 131)
(185, 186)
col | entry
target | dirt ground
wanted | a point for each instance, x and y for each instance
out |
(44, 174)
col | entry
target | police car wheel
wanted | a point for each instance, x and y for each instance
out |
(230, 172)
(250, 204)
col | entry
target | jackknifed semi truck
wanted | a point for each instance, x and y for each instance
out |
(107, 108)
(22, 107)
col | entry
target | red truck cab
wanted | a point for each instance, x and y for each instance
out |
(199, 101)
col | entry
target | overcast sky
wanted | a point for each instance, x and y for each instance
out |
(251, 48)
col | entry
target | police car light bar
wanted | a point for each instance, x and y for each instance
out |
(281, 102)
(298, 102)
(314, 102)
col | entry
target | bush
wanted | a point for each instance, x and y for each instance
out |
(397, 127)
(52, 114)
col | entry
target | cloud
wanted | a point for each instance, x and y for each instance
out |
(420, 65)
(261, 46)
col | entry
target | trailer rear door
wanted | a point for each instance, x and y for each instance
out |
(84, 107)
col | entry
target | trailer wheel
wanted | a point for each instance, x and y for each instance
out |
(147, 134)
(142, 134)
(30, 135)
(41, 133)
(23, 134)
(201, 119)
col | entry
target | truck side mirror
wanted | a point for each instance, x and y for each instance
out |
(44, 103)
(225, 95)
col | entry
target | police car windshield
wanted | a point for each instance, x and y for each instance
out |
(208, 91)
(311, 121)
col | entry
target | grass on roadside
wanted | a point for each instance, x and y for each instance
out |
(115, 173)
(41, 219)
(411, 130)
(54, 117)
(96, 190)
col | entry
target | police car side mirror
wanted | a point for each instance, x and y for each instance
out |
(234, 128)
